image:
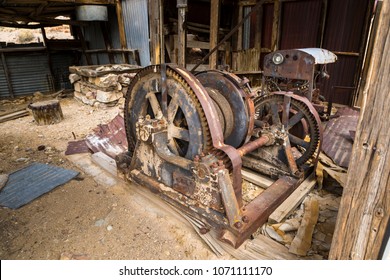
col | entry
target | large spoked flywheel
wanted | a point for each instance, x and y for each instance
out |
(291, 117)
(187, 129)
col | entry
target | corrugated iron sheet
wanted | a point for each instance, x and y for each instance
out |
(4, 91)
(60, 64)
(31, 182)
(109, 138)
(300, 21)
(339, 136)
(136, 18)
(29, 73)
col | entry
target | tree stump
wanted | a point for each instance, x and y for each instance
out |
(47, 112)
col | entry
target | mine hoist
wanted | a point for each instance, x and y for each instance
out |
(190, 135)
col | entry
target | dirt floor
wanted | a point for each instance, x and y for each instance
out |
(82, 219)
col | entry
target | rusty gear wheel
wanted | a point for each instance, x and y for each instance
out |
(188, 131)
(301, 126)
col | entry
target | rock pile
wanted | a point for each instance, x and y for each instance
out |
(103, 84)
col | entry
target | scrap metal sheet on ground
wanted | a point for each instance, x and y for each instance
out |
(339, 136)
(109, 138)
(30, 182)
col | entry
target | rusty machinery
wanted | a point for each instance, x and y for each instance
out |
(298, 71)
(190, 135)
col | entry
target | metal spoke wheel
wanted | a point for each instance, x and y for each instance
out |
(293, 118)
(187, 130)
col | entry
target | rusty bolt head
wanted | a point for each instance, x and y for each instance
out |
(245, 219)
(204, 230)
(238, 225)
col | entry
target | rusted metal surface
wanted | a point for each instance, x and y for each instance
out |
(258, 211)
(253, 145)
(206, 181)
(237, 94)
(338, 141)
(109, 138)
(77, 147)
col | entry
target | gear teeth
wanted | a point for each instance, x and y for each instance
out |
(207, 141)
(313, 125)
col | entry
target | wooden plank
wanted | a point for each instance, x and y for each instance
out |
(121, 27)
(14, 115)
(155, 32)
(302, 241)
(292, 202)
(214, 26)
(182, 36)
(275, 26)
(7, 74)
(256, 178)
(105, 162)
(364, 210)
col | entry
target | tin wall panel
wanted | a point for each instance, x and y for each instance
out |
(136, 18)
(4, 92)
(60, 64)
(29, 73)
(300, 24)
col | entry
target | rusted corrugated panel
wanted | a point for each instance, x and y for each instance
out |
(343, 33)
(136, 18)
(109, 138)
(338, 136)
(300, 21)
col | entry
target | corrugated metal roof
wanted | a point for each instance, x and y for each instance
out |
(136, 18)
(31, 182)
(338, 136)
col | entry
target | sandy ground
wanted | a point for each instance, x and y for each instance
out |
(82, 219)
(18, 35)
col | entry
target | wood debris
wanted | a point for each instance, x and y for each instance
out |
(302, 241)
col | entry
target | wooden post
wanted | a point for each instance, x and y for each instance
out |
(239, 33)
(182, 34)
(214, 27)
(104, 28)
(365, 205)
(7, 75)
(121, 26)
(48, 58)
(259, 27)
(156, 31)
(276, 26)
(83, 44)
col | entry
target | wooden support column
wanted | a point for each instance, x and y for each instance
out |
(214, 27)
(121, 26)
(104, 27)
(276, 26)
(156, 31)
(182, 34)
(239, 32)
(84, 47)
(259, 27)
(48, 58)
(365, 205)
(7, 75)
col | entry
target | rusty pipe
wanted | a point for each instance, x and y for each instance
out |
(253, 145)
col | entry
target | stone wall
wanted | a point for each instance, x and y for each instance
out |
(102, 85)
